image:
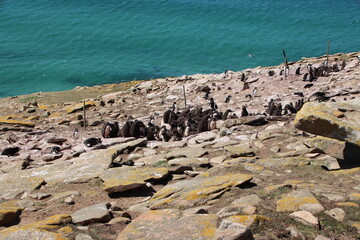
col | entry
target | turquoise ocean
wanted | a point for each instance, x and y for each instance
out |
(57, 45)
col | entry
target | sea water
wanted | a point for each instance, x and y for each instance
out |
(57, 45)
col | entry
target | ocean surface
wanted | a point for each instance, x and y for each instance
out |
(58, 45)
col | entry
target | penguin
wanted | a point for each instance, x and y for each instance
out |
(226, 114)
(309, 85)
(212, 123)
(75, 134)
(213, 104)
(11, 151)
(125, 130)
(203, 125)
(166, 116)
(206, 96)
(305, 77)
(227, 100)
(137, 129)
(297, 71)
(270, 109)
(175, 108)
(55, 150)
(244, 112)
(254, 91)
(164, 135)
(271, 73)
(242, 77)
(299, 104)
(110, 130)
(90, 142)
(300, 94)
(249, 97)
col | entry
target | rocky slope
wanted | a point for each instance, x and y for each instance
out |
(283, 176)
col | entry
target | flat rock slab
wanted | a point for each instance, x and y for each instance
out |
(202, 137)
(189, 162)
(189, 152)
(319, 118)
(126, 178)
(15, 183)
(299, 200)
(42, 230)
(169, 224)
(195, 192)
(241, 150)
(93, 214)
(283, 162)
(305, 217)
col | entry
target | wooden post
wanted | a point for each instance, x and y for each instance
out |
(184, 95)
(285, 62)
(84, 116)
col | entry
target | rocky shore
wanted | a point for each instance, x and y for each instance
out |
(288, 168)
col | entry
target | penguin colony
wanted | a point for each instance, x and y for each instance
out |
(176, 124)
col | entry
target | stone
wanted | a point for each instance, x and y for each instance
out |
(66, 194)
(354, 196)
(283, 162)
(51, 157)
(299, 200)
(119, 220)
(9, 213)
(41, 230)
(317, 118)
(83, 236)
(233, 231)
(334, 197)
(4, 120)
(40, 195)
(329, 146)
(305, 217)
(320, 237)
(189, 152)
(92, 214)
(69, 201)
(189, 162)
(248, 220)
(252, 200)
(56, 140)
(198, 191)
(170, 224)
(330, 163)
(337, 213)
(241, 150)
(202, 137)
(79, 106)
(14, 183)
(218, 159)
(295, 233)
(126, 178)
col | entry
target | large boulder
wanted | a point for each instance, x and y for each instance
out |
(195, 192)
(323, 119)
(126, 178)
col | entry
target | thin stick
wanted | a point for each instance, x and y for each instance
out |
(184, 95)
(84, 115)
(285, 62)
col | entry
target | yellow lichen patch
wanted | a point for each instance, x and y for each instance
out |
(43, 107)
(355, 196)
(17, 122)
(208, 227)
(38, 228)
(57, 220)
(248, 220)
(55, 115)
(275, 187)
(33, 118)
(289, 203)
(66, 230)
(349, 204)
(79, 106)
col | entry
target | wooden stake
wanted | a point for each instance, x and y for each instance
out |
(285, 62)
(84, 115)
(184, 95)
